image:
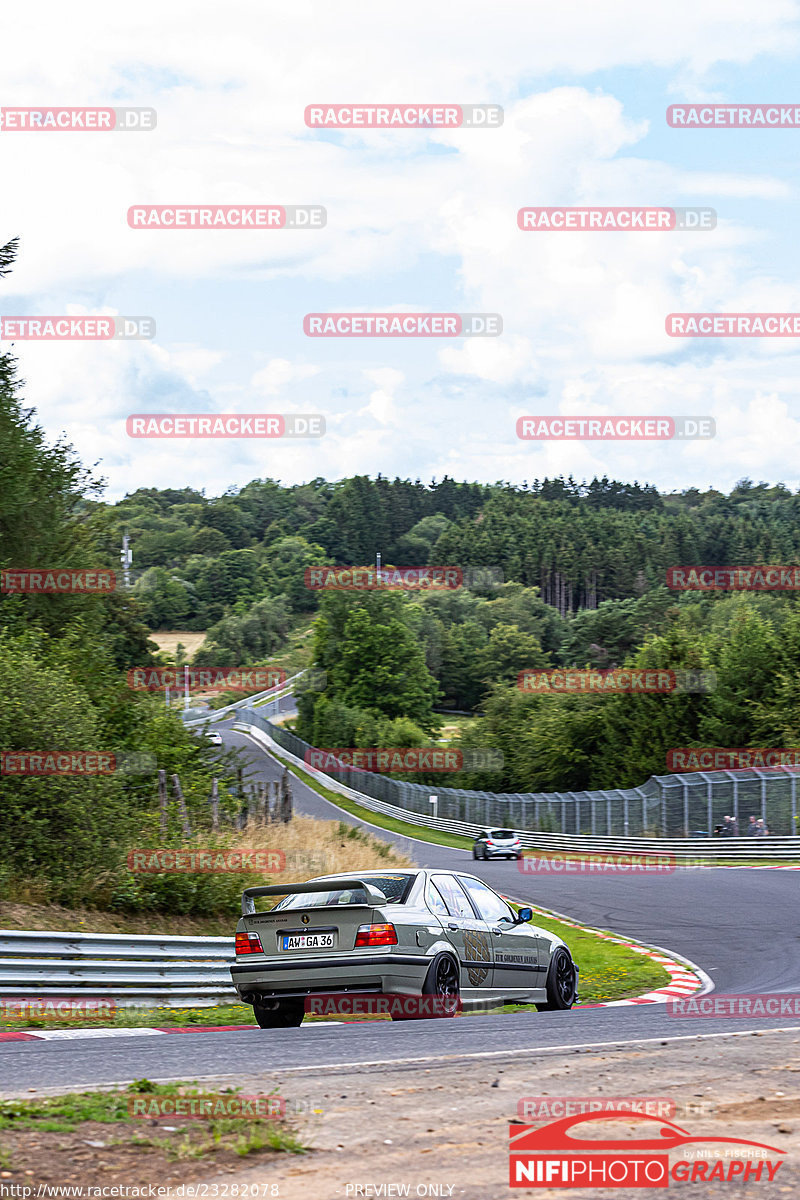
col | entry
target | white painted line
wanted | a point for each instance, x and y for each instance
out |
(53, 1035)
(620, 1042)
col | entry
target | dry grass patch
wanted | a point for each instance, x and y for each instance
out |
(312, 847)
(168, 640)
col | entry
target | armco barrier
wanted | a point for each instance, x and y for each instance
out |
(737, 849)
(134, 970)
(276, 692)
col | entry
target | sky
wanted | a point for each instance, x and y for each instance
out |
(417, 221)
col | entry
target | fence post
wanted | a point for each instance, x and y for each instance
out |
(252, 803)
(644, 811)
(710, 801)
(286, 797)
(178, 790)
(162, 801)
(736, 802)
(214, 804)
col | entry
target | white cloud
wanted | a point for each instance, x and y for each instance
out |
(414, 221)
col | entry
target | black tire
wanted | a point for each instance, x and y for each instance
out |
(442, 981)
(284, 1015)
(562, 982)
(474, 852)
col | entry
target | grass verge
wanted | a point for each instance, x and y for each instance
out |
(608, 970)
(404, 828)
(145, 1126)
(441, 838)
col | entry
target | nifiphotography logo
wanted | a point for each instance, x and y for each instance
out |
(551, 1156)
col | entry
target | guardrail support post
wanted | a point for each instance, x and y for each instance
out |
(178, 792)
(214, 804)
(710, 799)
(162, 802)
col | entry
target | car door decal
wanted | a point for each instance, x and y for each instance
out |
(478, 955)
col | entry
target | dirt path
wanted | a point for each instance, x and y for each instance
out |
(447, 1127)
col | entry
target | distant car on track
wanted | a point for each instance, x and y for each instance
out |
(405, 933)
(497, 843)
(214, 738)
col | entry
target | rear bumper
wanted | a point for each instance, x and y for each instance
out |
(389, 973)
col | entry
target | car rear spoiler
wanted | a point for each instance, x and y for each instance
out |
(374, 896)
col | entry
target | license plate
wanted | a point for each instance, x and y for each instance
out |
(308, 941)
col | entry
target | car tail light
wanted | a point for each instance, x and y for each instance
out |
(376, 935)
(248, 943)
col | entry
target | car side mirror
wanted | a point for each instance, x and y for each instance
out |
(524, 914)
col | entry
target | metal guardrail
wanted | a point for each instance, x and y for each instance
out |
(276, 692)
(136, 970)
(682, 805)
(739, 849)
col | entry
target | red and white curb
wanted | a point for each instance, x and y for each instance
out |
(58, 1035)
(756, 866)
(686, 979)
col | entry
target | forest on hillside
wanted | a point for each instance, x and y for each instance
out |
(577, 578)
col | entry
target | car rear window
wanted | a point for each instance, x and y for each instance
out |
(394, 887)
(502, 833)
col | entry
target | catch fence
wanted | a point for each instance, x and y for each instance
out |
(683, 805)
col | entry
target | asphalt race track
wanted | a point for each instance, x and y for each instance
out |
(739, 926)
